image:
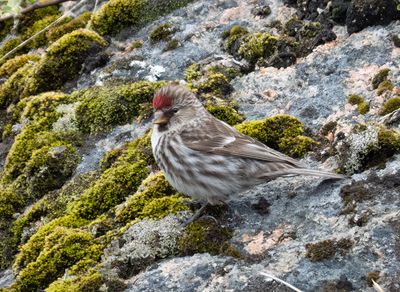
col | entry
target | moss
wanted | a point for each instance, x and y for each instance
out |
(88, 282)
(327, 249)
(232, 38)
(384, 86)
(109, 158)
(206, 236)
(258, 45)
(63, 60)
(12, 65)
(9, 45)
(62, 248)
(372, 276)
(329, 127)
(171, 45)
(136, 44)
(28, 19)
(280, 132)
(10, 202)
(363, 108)
(12, 89)
(155, 199)
(101, 109)
(390, 105)
(117, 182)
(381, 76)
(5, 28)
(396, 41)
(297, 146)
(162, 32)
(118, 14)
(81, 21)
(6, 131)
(362, 105)
(225, 113)
(41, 39)
(293, 26)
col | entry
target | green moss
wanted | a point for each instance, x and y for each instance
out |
(390, 105)
(225, 113)
(136, 44)
(162, 32)
(28, 19)
(63, 60)
(6, 131)
(155, 199)
(384, 86)
(5, 28)
(102, 108)
(10, 45)
(280, 132)
(232, 38)
(117, 182)
(10, 201)
(258, 45)
(109, 158)
(293, 26)
(88, 282)
(206, 236)
(12, 65)
(381, 76)
(362, 105)
(81, 21)
(62, 248)
(310, 30)
(329, 127)
(327, 249)
(117, 14)
(41, 39)
(171, 45)
(372, 276)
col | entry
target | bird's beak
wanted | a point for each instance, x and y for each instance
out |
(162, 120)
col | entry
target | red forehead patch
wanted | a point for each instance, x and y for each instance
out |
(162, 101)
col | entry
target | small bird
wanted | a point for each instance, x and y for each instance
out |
(208, 159)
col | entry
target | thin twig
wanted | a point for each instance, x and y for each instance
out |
(280, 281)
(376, 286)
(34, 6)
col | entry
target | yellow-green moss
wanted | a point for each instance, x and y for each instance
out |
(12, 65)
(280, 132)
(207, 236)
(390, 105)
(225, 113)
(63, 60)
(88, 282)
(362, 105)
(384, 86)
(5, 28)
(9, 45)
(6, 131)
(28, 19)
(155, 199)
(59, 250)
(105, 107)
(136, 44)
(55, 33)
(109, 158)
(258, 45)
(41, 39)
(117, 182)
(381, 76)
(10, 201)
(232, 37)
(117, 14)
(162, 32)
(171, 45)
(12, 89)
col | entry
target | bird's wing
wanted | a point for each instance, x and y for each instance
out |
(218, 137)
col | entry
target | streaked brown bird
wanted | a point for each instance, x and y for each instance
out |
(206, 158)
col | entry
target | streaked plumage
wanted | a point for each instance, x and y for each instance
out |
(206, 158)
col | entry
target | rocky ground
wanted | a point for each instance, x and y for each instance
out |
(83, 205)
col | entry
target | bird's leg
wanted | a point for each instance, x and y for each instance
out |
(196, 215)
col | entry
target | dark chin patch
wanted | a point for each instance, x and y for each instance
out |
(162, 128)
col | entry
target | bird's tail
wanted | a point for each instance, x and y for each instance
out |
(316, 172)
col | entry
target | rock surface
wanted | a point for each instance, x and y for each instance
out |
(316, 235)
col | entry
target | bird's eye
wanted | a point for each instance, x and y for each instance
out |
(175, 110)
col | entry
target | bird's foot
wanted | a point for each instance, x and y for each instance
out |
(196, 215)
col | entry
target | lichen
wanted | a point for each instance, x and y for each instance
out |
(280, 132)
(102, 108)
(381, 76)
(12, 65)
(384, 86)
(390, 105)
(118, 14)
